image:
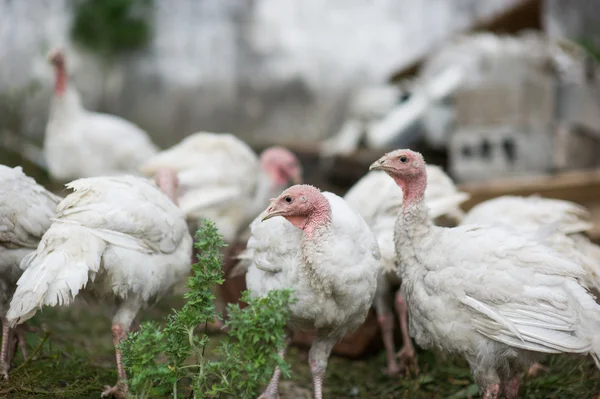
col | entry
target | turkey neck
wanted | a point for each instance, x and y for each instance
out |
(413, 223)
(60, 82)
(65, 102)
(314, 246)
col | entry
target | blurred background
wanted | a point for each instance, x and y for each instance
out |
(489, 89)
(503, 94)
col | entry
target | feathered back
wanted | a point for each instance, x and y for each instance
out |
(25, 209)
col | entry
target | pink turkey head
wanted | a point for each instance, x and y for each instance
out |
(281, 165)
(407, 168)
(57, 59)
(302, 205)
(166, 179)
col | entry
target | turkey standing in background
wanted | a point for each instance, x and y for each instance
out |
(222, 179)
(81, 143)
(377, 198)
(25, 212)
(118, 239)
(566, 224)
(217, 170)
(327, 254)
(492, 294)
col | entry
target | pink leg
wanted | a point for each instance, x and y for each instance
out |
(386, 322)
(120, 390)
(318, 357)
(535, 369)
(19, 332)
(4, 360)
(272, 390)
(407, 352)
(510, 388)
(491, 392)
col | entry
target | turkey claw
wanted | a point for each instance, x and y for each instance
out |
(408, 360)
(266, 395)
(119, 391)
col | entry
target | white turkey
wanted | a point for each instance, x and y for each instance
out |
(497, 297)
(25, 212)
(119, 240)
(80, 143)
(377, 198)
(563, 225)
(217, 172)
(327, 254)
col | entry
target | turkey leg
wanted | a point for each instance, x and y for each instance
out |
(317, 359)
(4, 360)
(386, 322)
(407, 352)
(272, 390)
(121, 324)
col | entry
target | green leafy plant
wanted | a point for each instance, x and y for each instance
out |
(110, 27)
(175, 360)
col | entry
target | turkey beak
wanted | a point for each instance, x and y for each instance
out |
(272, 211)
(380, 164)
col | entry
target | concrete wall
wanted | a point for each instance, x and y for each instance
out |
(268, 70)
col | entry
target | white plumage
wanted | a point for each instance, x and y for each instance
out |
(494, 295)
(332, 270)
(117, 238)
(561, 224)
(377, 198)
(25, 212)
(80, 143)
(216, 173)
(220, 178)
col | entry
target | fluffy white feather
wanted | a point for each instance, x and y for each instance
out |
(80, 143)
(118, 238)
(337, 296)
(219, 178)
(560, 224)
(25, 212)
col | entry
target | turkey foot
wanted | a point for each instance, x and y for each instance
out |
(119, 391)
(491, 392)
(535, 369)
(408, 359)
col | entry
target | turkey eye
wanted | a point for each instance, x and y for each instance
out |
(403, 158)
(288, 199)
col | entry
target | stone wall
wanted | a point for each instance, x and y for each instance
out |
(267, 70)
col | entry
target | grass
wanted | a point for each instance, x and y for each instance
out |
(77, 360)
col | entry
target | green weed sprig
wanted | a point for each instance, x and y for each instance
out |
(172, 360)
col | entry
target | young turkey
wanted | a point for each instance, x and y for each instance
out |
(563, 225)
(327, 254)
(25, 212)
(119, 240)
(216, 171)
(377, 198)
(491, 294)
(80, 143)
